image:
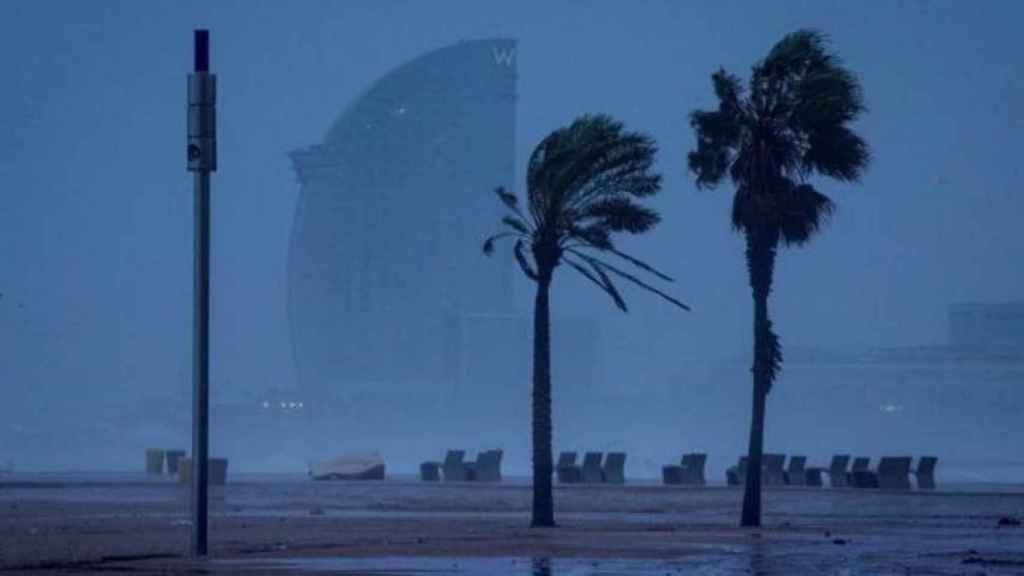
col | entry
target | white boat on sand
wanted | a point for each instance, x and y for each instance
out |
(356, 467)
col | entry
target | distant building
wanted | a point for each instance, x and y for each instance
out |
(986, 326)
(387, 281)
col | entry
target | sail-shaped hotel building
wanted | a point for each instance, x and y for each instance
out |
(385, 265)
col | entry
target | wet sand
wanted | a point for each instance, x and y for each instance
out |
(79, 523)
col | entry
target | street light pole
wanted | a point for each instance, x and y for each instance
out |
(202, 159)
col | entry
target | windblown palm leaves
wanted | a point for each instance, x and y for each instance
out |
(789, 124)
(584, 182)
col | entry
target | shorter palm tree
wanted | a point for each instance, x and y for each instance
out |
(583, 183)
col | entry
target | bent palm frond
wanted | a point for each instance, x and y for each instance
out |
(585, 183)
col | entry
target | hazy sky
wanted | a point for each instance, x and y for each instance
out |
(97, 213)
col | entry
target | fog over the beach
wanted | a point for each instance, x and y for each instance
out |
(96, 229)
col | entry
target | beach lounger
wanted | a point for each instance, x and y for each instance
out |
(893, 473)
(591, 471)
(496, 462)
(925, 472)
(796, 474)
(173, 456)
(815, 476)
(454, 468)
(470, 469)
(693, 468)
(861, 475)
(185, 470)
(689, 471)
(430, 471)
(488, 466)
(772, 470)
(614, 469)
(567, 471)
(772, 473)
(737, 475)
(672, 474)
(837, 472)
(154, 461)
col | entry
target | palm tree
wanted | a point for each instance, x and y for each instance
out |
(583, 183)
(790, 124)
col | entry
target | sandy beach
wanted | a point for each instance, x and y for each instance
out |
(110, 523)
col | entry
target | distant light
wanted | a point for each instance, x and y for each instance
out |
(266, 404)
(283, 405)
(291, 404)
(300, 404)
(400, 111)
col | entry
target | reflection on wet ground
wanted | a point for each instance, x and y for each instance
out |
(755, 560)
(485, 566)
(275, 525)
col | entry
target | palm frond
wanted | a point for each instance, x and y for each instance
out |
(524, 262)
(827, 95)
(795, 54)
(642, 265)
(717, 140)
(489, 242)
(744, 214)
(718, 131)
(602, 281)
(791, 123)
(621, 167)
(620, 214)
(595, 236)
(802, 214)
(507, 198)
(584, 183)
(511, 201)
(516, 223)
(595, 158)
(628, 277)
(838, 152)
(729, 90)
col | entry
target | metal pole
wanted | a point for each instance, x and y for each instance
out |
(201, 365)
(201, 160)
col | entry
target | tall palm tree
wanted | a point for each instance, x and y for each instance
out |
(792, 123)
(583, 185)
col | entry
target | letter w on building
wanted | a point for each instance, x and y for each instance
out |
(503, 56)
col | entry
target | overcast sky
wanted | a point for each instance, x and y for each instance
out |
(96, 216)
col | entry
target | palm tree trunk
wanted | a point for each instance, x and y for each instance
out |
(761, 264)
(543, 500)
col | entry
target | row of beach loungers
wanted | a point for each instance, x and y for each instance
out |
(690, 470)
(180, 465)
(892, 472)
(486, 468)
(596, 468)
